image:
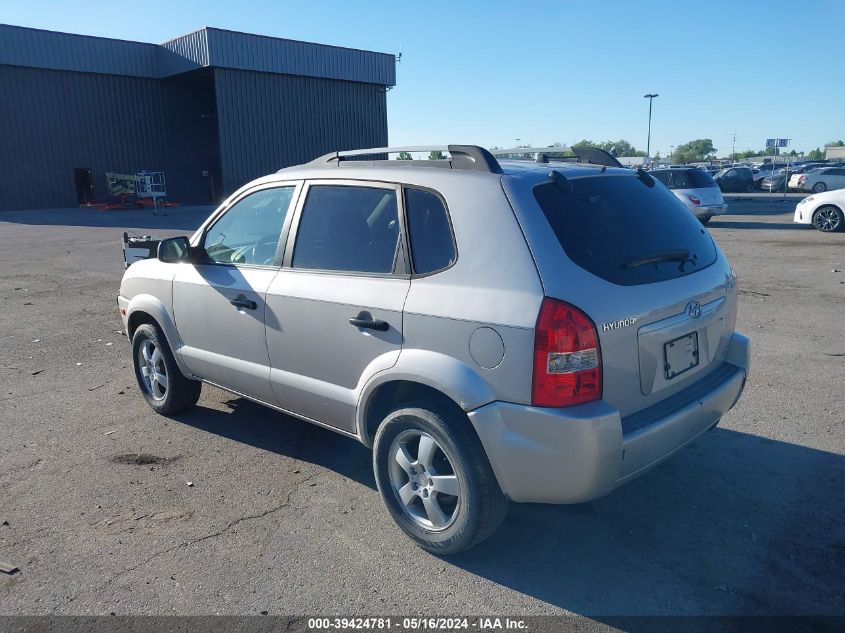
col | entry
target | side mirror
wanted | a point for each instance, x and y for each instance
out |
(175, 249)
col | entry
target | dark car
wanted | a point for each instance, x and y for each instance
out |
(735, 179)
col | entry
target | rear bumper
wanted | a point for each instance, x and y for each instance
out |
(581, 453)
(706, 211)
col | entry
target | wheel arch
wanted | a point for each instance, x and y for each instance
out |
(420, 375)
(824, 205)
(149, 309)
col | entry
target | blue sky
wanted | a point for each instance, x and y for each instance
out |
(491, 72)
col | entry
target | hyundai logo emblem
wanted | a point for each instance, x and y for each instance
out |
(694, 309)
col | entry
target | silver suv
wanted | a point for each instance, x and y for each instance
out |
(496, 331)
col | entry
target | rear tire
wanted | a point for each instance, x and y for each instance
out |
(163, 386)
(705, 220)
(828, 219)
(819, 187)
(435, 479)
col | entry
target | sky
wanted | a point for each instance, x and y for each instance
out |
(490, 72)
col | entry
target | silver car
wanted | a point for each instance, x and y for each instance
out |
(696, 189)
(514, 331)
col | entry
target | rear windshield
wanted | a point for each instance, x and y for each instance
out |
(625, 232)
(692, 179)
(685, 178)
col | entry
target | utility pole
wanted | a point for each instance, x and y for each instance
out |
(650, 98)
(733, 149)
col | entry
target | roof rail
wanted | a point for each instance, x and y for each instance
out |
(468, 157)
(591, 155)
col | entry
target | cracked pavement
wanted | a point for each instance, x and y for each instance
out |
(284, 517)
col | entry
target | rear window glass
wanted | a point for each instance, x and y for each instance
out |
(684, 178)
(432, 248)
(350, 229)
(625, 232)
(692, 179)
(662, 176)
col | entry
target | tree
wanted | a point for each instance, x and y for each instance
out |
(816, 154)
(617, 148)
(693, 151)
(749, 153)
(839, 143)
(405, 156)
(436, 155)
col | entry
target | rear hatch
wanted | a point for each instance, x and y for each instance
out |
(626, 252)
(696, 184)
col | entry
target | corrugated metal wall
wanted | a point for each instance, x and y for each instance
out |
(183, 53)
(36, 48)
(54, 121)
(245, 51)
(21, 46)
(268, 121)
(231, 104)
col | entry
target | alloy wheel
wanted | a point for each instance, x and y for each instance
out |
(153, 370)
(826, 219)
(423, 480)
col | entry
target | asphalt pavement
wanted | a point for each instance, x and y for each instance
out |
(233, 509)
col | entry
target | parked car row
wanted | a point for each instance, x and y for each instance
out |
(818, 180)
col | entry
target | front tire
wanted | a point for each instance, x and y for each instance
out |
(436, 481)
(828, 219)
(163, 386)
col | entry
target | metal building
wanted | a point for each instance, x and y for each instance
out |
(212, 109)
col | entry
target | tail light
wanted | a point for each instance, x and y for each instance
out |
(802, 180)
(694, 200)
(567, 358)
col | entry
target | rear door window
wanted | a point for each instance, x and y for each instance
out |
(618, 228)
(349, 229)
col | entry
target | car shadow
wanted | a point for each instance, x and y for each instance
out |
(179, 218)
(735, 523)
(256, 425)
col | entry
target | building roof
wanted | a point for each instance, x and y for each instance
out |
(206, 47)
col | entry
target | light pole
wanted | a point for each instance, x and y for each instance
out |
(650, 98)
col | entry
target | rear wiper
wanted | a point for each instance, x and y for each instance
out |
(680, 255)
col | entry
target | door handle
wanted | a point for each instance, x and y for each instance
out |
(370, 324)
(242, 302)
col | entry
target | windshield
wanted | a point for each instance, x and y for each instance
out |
(620, 229)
